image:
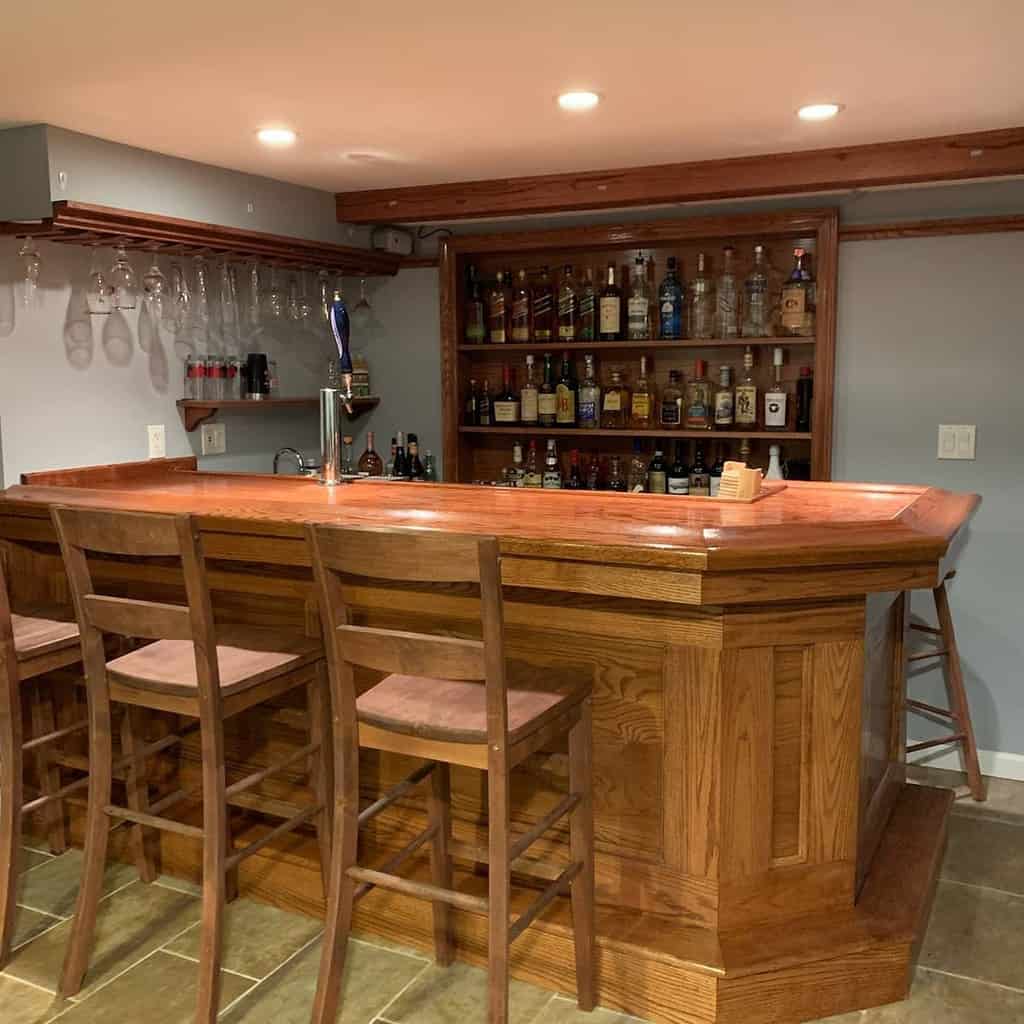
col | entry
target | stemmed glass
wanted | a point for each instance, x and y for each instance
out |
(122, 277)
(201, 306)
(228, 299)
(362, 313)
(275, 297)
(255, 295)
(177, 314)
(31, 264)
(305, 304)
(99, 296)
(324, 291)
(154, 288)
(294, 312)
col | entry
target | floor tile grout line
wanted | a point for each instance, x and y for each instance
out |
(990, 818)
(410, 954)
(195, 960)
(412, 981)
(45, 913)
(983, 888)
(56, 924)
(967, 977)
(29, 984)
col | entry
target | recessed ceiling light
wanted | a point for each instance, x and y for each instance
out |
(579, 100)
(276, 136)
(819, 111)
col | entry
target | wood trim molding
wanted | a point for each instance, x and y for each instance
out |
(931, 228)
(944, 158)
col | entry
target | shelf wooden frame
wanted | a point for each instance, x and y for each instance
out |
(197, 411)
(821, 225)
(688, 435)
(85, 224)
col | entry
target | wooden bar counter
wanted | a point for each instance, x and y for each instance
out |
(759, 856)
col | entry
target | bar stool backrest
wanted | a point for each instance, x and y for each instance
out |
(9, 703)
(409, 555)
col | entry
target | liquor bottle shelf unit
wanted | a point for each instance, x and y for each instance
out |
(629, 346)
(197, 411)
(85, 224)
(667, 433)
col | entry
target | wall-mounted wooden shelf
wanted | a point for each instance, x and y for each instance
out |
(196, 411)
(629, 346)
(84, 224)
(665, 432)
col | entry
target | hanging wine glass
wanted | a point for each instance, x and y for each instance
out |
(122, 277)
(228, 300)
(275, 297)
(362, 313)
(31, 264)
(154, 290)
(99, 295)
(294, 312)
(201, 301)
(255, 296)
(178, 311)
(305, 303)
(324, 291)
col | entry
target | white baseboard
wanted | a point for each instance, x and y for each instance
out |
(999, 764)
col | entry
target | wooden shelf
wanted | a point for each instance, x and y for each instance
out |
(196, 411)
(627, 346)
(84, 224)
(778, 435)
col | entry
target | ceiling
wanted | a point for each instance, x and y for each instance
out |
(405, 93)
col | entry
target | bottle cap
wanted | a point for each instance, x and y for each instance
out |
(805, 371)
(347, 439)
(529, 360)
(700, 367)
(777, 357)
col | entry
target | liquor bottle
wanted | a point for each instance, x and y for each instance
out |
(678, 480)
(643, 400)
(588, 405)
(575, 479)
(756, 312)
(616, 481)
(499, 310)
(389, 466)
(532, 476)
(724, 399)
(745, 402)
(513, 475)
(565, 395)
(657, 473)
(638, 326)
(610, 308)
(416, 471)
(592, 481)
(670, 413)
(701, 307)
(568, 306)
(774, 470)
(429, 467)
(484, 406)
(727, 315)
(698, 399)
(775, 404)
(543, 306)
(506, 402)
(715, 476)
(521, 297)
(370, 462)
(403, 467)
(700, 479)
(528, 411)
(472, 412)
(587, 330)
(476, 322)
(796, 316)
(670, 304)
(615, 404)
(744, 451)
(547, 397)
(552, 470)
(637, 476)
(804, 399)
(348, 462)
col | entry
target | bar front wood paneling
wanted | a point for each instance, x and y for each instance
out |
(758, 855)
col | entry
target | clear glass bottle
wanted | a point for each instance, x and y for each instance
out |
(547, 396)
(476, 320)
(348, 456)
(552, 467)
(670, 304)
(616, 480)
(429, 467)
(506, 403)
(638, 326)
(610, 308)
(757, 321)
(615, 403)
(568, 305)
(542, 306)
(724, 403)
(745, 401)
(528, 411)
(637, 477)
(776, 404)
(513, 474)
(532, 476)
(589, 396)
(521, 298)
(670, 409)
(499, 311)
(565, 394)
(698, 399)
(678, 481)
(642, 405)
(370, 462)
(796, 314)
(700, 479)
(587, 329)
(657, 473)
(727, 305)
(701, 307)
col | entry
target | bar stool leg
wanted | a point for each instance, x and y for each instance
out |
(958, 694)
(499, 882)
(145, 842)
(321, 767)
(43, 722)
(10, 804)
(440, 816)
(581, 847)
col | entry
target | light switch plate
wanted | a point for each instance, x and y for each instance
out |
(157, 440)
(214, 439)
(956, 441)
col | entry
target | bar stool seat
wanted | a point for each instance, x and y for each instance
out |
(44, 632)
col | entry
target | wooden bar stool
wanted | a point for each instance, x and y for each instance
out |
(450, 701)
(193, 668)
(959, 711)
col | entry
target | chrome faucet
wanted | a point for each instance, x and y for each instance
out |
(304, 468)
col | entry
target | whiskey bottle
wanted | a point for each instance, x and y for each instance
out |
(745, 404)
(472, 410)
(698, 399)
(565, 395)
(389, 466)
(592, 481)
(657, 473)
(715, 476)
(615, 404)
(513, 475)
(804, 399)
(543, 306)
(568, 306)
(528, 412)
(670, 304)
(637, 476)
(756, 310)
(701, 305)
(610, 308)
(484, 406)
(370, 462)
(589, 400)
(671, 407)
(547, 397)
(727, 322)
(678, 481)
(521, 297)
(532, 476)
(724, 400)
(616, 481)
(416, 470)
(638, 327)
(575, 479)
(400, 469)
(499, 311)
(587, 330)
(552, 469)
(700, 479)
(506, 403)
(775, 398)
(643, 400)
(476, 322)
(796, 316)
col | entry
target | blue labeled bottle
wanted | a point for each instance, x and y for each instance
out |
(670, 304)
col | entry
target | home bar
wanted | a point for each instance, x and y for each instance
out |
(480, 542)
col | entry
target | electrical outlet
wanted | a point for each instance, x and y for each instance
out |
(956, 441)
(157, 441)
(213, 439)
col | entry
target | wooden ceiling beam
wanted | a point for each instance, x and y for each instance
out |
(945, 158)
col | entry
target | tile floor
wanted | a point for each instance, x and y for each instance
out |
(971, 966)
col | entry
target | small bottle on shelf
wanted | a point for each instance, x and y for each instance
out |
(547, 397)
(484, 405)
(774, 470)
(745, 402)
(568, 306)
(587, 329)
(637, 477)
(724, 412)
(513, 474)
(429, 467)
(657, 473)
(589, 396)
(521, 297)
(416, 471)
(678, 480)
(796, 306)
(370, 462)
(641, 408)
(610, 308)
(348, 456)
(543, 309)
(552, 469)
(670, 410)
(389, 466)
(638, 327)
(506, 402)
(756, 309)
(698, 399)
(592, 481)
(775, 398)
(574, 482)
(744, 451)
(528, 412)
(565, 395)
(727, 324)
(615, 403)
(616, 480)
(499, 310)
(715, 476)
(804, 399)
(670, 304)
(700, 479)
(400, 470)
(701, 307)
(532, 476)
(476, 320)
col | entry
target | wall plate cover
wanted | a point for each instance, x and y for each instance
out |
(956, 440)
(213, 438)
(157, 440)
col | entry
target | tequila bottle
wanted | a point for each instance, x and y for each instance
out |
(638, 308)
(643, 400)
(543, 308)
(521, 296)
(568, 306)
(671, 407)
(615, 403)
(589, 403)
(670, 304)
(775, 398)
(528, 412)
(547, 397)
(499, 311)
(552, 469)
(745, 404)
(796, 317)
(587, 330)
(698, 399)
(724, 399)
(756, 311)
(727, 317)
(701, 306)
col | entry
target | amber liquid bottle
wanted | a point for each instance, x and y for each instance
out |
(610, 308)
(370, 462)
(543, 309)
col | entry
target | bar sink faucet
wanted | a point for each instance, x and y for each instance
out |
(303, 467)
